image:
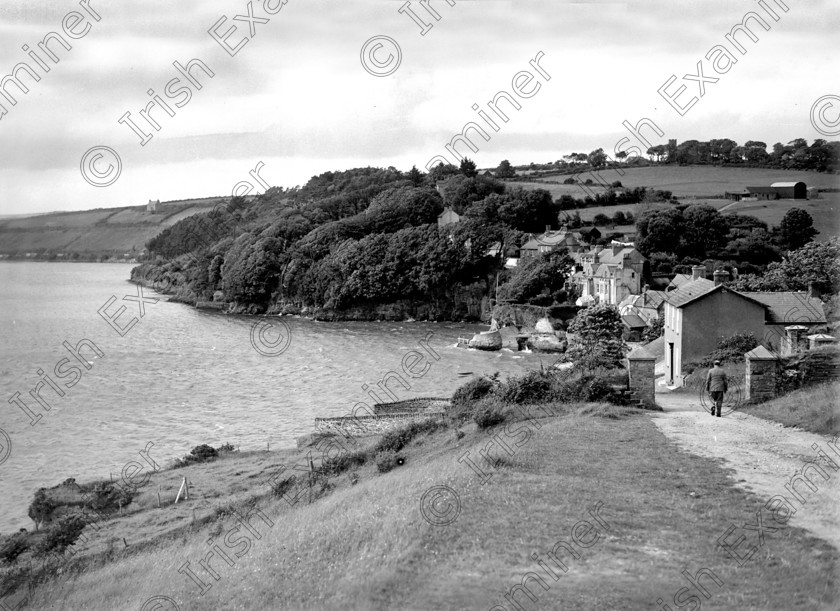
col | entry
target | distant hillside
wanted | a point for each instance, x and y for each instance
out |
(93, 234)
(707, 184)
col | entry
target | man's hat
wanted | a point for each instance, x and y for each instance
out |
(717, 362)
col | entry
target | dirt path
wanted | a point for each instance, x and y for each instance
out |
(764, 456)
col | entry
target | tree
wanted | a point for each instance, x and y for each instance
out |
(537, 276)
(597, 158)
(442, 172)
(816, 263)
(796, 229)
(415, 176)
(658, 230)
(601, 219)
(595, 339)
(468, 168)
(705, 230)
(505, 170)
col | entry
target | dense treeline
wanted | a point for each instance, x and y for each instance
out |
(367, 236)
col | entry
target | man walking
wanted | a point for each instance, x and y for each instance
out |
(717, 386)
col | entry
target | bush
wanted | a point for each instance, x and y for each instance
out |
(41, 507)
(473, 391)
(731, 349)
(533, 387)
(396, 440)
(13, 547)
(489, 413)
(226, 447)
(200, 453)
(388, 460)
(344, 461)
(62, 535)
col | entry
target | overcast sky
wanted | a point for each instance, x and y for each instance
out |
(297, 98)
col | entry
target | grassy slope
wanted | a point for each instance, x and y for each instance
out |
(367, 547)
(705, 181)
(815, 408)
(111, 230)
(692, 182)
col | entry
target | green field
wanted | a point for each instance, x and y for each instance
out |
(696, 181)
(110, 231)
(704, 184)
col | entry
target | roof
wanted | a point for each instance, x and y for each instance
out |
(760, 353)
(633, 321)
(767, 190)
(640, 352)
(690, 291)
(789, 307)
(552, 238)
(648, 299)
(787, 184)
(679, 280)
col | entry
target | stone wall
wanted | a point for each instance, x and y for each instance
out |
(419, 405)
(371, 425)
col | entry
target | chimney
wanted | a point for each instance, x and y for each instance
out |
(698, 271)
(813, 293)
(720, 276)
(616, 249)
(548, 229)
(734, 273)
(645, 288)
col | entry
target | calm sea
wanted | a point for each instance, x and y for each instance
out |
(179, 376)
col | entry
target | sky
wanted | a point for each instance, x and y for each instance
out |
(297, 97)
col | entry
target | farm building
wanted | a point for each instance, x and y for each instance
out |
(778, 190)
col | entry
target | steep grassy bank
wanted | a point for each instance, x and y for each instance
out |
(367, 545)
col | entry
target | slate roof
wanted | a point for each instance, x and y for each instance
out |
(552, 239)
(690, 291)
(679, 280)
(633, 321)
(789, 308)
(648, 299)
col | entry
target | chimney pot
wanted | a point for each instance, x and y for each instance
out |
(720, 276)
(698, 271)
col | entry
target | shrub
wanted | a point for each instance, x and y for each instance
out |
(396, 440)
(281, 487)
(344, 461)
(490, 413)
(226, 447)
(731, 349)
(62, 535)
(473, 391)
(41, 507)
(13, 547)
(533, 387)
(388, 460)
(203, 453)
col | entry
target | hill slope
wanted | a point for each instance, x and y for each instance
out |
(94, 233)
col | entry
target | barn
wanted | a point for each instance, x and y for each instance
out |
(790, 190)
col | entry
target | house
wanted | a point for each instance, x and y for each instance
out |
(736, 196)
(153, 207)
(701, 312)
(762, 193)
(448, 217)
(609, 275)
(550, 241)
(679, 279)
(589, 235)
(647, 306)
(634, 326)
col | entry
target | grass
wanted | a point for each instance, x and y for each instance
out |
(813, 408)
(367, 546)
